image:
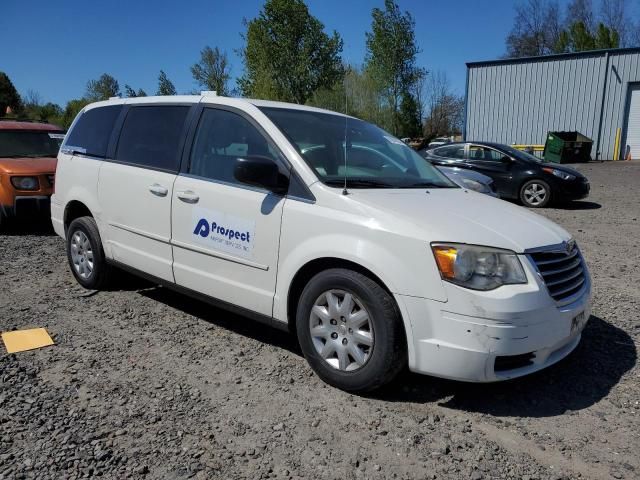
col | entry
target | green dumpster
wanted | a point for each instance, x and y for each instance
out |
(567, 147)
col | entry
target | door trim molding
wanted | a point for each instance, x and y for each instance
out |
(220, 255)
(142, 233)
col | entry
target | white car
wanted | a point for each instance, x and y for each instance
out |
(438, 141)
(284, 213)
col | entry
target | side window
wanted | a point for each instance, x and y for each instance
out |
(92, 130)
(484, 154)
(151, 136)
(451, 151)
(223, 136)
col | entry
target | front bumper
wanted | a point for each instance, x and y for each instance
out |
(574, 190)
(491, 336)
(26, 205)
(14, 202)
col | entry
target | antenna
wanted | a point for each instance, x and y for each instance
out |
(346, 119)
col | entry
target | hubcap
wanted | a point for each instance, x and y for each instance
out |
(535, 194)
(81, 254)
(341, 330)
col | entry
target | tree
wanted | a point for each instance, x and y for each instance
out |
(409, 118)
(358, 95)
(165, 87)
(580, 11)
(49, 112)
(577, 38)
(606, 37)
(72, 109)
(445, 110)
(613, 14)
(131, 93)
(9, 96)
(103, 88)
(536, 29)
(213, 71)
(419, 94)
(391, 55)
(287, 55)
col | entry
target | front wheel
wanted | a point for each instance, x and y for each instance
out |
(86, 255)
(350, 330)
(535, 194)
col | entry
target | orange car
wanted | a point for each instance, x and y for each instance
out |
(28, 152)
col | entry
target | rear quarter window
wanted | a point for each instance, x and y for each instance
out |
(92, 130)
(151, 136)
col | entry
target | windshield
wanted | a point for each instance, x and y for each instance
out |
(338, 147)
(25, 143)
(514, 152)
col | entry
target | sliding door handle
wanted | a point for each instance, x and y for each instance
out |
(188, 196)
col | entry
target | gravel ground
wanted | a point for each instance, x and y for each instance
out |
(143, 382)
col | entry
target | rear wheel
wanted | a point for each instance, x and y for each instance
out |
(350, 330)
(86, 255)
(535, 194)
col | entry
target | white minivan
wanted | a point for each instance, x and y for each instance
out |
(321, 224)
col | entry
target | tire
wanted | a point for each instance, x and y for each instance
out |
(86, 255)
(341, 327)
(535, 194)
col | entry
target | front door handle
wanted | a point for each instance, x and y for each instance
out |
(158, 190)
(188, 196)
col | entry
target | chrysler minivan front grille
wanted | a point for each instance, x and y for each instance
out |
(563, 272)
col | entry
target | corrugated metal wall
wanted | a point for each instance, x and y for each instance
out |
(518, 102)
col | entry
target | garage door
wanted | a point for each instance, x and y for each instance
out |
(633, 123)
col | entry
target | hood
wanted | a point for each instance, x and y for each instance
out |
(28, 165)
(465, 173)
(457, 215)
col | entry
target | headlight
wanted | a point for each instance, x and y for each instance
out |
(559, 173)
(475, 186)
(25, 183)
(478, 268)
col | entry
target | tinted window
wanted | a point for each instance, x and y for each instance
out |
(92, 130)
(450, 151)
(25, 143)
(484, 154)
(151, 136)
(223, 136)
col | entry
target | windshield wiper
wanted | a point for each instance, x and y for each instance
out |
(426, 185)
(358, 182)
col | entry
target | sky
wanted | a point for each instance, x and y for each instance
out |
(54, 48)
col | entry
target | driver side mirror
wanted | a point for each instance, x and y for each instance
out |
(261, 171)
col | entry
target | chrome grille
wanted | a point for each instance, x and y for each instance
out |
(563, 271)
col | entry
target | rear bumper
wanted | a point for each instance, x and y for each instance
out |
(57, 217)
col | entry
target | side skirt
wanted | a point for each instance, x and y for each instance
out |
(245, 312)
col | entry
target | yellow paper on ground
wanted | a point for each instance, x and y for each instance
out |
(21, 340)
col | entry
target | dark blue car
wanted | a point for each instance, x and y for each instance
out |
(517, 175)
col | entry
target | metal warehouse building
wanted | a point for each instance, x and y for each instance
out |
(597, 93)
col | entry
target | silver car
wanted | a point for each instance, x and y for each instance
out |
(467, 178)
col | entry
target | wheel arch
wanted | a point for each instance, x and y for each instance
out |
(315, 266)
(75, 209)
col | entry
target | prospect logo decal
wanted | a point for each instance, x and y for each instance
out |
(225, 232)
